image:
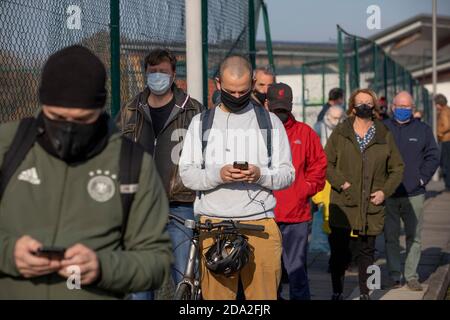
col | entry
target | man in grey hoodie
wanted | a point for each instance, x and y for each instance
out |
(228, 193)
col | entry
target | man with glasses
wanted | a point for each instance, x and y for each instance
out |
(158, 119)
(420, 154)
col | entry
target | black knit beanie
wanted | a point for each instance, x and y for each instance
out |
(73, 77)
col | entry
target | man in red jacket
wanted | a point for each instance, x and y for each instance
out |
(292, 211)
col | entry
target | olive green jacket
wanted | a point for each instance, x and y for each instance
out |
(379, 167)
(61, 205)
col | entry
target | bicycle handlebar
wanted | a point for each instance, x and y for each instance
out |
(208, 225)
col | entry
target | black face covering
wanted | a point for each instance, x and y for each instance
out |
(260, 96)
(235, 104)
(73, 142)
(284, 116)
(364, 111)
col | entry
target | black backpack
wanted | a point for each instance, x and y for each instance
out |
(129, 165)
(265, 125)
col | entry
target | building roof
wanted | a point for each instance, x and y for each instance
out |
(410, 43)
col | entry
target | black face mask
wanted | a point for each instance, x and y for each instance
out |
(364, 111)
(260, 96)
(284, 116)
(235, 104)
(74, 142)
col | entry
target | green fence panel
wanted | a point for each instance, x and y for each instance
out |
(31, 30)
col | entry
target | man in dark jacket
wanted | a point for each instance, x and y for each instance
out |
(293, 212)
(420, 154)
(158, 119)
(335, 98)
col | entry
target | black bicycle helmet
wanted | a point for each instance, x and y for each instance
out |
(229, 254)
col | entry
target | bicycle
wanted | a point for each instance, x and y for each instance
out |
(189, 286)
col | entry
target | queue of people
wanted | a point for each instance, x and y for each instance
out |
(79, 189)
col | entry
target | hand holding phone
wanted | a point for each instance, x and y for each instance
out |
(241, 165)
(27, 261)
(251, 172)
(51, 252)
(231, 173)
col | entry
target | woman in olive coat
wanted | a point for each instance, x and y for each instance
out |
(364, 168)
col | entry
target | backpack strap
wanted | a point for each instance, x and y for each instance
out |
(207, 118)
(21, 144)
(130, 162)
(265, 125)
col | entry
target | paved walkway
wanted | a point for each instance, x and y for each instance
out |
(435, 243)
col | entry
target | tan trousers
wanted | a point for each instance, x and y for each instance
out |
(261, 275)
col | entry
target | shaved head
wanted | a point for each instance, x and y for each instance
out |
(403, 98)
(235, 67)
(235, 76)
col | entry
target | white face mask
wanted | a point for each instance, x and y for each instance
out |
(159, 83)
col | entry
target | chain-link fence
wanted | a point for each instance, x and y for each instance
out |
(318, 78)
(31, 30)
(364, 64)
(361, 63)
(229, 31)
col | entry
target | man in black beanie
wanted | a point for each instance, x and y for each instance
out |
(82, 211)
(73, 95)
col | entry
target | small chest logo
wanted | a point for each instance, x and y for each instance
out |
(30, 175)
(298, 141)
(101, 186)
(413, 139)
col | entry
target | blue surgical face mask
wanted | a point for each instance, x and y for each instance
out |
(159, 83)
(402, 114)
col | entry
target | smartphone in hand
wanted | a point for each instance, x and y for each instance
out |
(241, 165)
(51, 252)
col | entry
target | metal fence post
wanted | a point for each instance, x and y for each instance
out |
(323, 80)
(374, 66)
(394, 70)
(356, 63)
(303, 93)
(115, 55)
(251, 32)
(205, 51)
(268, 35)
(341, 61)
(385, 71)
